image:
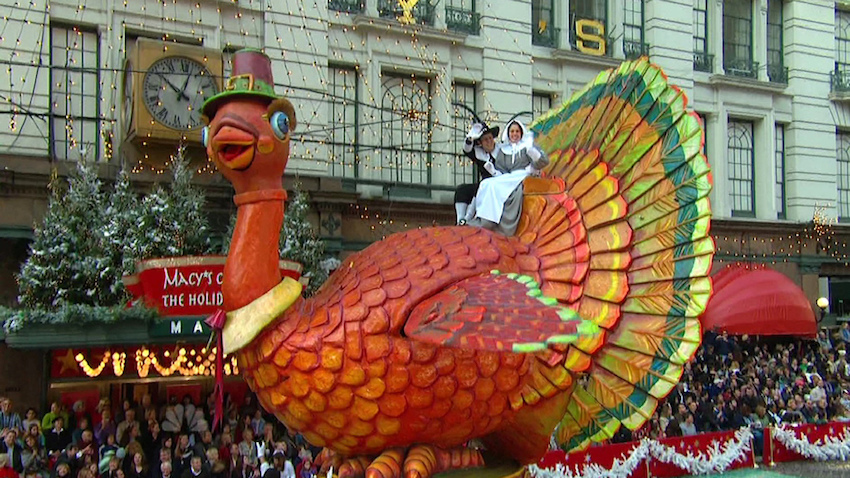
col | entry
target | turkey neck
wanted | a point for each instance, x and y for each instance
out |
(252, 266)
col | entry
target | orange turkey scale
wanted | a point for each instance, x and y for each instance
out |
(338, 369)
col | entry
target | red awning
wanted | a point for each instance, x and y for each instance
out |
(758, 301)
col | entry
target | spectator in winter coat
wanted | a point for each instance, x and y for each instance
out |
(58, 437)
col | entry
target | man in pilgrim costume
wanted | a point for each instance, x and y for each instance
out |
(480, 147)
(498, 203)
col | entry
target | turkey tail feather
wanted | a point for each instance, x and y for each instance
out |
(626, 243)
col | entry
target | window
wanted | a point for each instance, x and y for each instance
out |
(633, 44)
(703, 61)
(543, 31)
(462, 17)
(75, 93)
(776, 71)
(740, 154)
(347, 6)
(780, 170)
(843, 145)
(841, 75)
(738, 38)
(342, 121)
(462, 93)
(420, 13)
(540, 103)
(406, 129)
(589, 26)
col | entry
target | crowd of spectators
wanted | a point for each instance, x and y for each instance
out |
(129, 442)
(735, 381)
(730, 383)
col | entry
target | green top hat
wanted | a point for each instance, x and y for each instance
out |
(252, 76)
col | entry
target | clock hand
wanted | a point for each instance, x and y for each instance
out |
(185, 84)
(176, 90)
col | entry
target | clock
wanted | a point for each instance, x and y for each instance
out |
(128, 94)
(165, 89)
(174, 90)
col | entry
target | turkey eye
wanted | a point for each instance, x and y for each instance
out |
(280, 124)
(205, 136)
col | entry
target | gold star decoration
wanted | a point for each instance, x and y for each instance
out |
(68, 362)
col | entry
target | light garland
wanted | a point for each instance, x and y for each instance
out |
(188, 362)
(718, 458)
(829, 448)
(92, 372)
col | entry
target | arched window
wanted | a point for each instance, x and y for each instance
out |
(740, 155)
(406, 130)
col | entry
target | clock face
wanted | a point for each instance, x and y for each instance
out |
(175, 89)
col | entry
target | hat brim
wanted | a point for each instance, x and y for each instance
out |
(212, 104)
(494, 131)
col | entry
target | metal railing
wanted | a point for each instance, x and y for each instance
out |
(633, 50)
(743, 67)
(421, 14)
(461, 20)
(548, 37)
(839, 81)
(347, 6)
(777, 73)
(703, 61)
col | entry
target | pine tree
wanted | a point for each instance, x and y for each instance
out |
(121, 213)
(298, 242)
(187, 208)
(171, 222)
(67, 262)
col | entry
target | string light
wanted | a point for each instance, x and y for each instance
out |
(86, 368)
(818, 233)
(187, 362)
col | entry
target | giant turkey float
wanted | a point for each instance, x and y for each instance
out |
(452, 348)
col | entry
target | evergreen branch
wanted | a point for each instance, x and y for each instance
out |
(14, 320)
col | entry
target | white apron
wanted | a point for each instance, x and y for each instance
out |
(493, 192)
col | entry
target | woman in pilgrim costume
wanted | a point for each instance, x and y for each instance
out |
(498, 204)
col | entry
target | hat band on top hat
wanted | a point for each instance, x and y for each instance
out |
(246, 82)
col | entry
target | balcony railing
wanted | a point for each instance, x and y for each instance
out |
(421, 14)
(743, 67)
(839, 80)
(703, 61)
(347, 6)
(548, 37)
(777, 73)
(461, 20)
(633, 50)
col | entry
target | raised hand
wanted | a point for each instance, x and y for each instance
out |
(476, 131)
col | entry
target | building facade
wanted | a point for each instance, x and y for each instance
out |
(376, 84)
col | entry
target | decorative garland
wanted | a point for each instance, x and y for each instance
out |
(829, 448)
(718, 458)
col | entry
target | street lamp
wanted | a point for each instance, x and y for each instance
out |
(822, 303)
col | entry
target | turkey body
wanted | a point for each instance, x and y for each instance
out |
(339, 369)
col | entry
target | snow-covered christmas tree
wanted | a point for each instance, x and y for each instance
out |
(171, 221)
(68, 263)
(299, 243)
(121, 216)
